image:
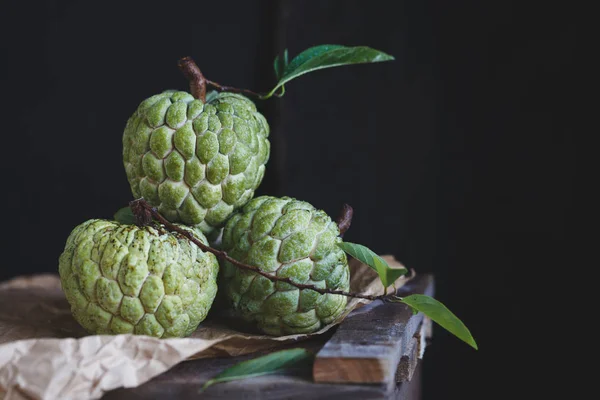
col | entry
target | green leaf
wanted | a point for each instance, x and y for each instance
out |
(280, 64)
(309, 53)
(326, 56)
(440, 314)
(363, 254)
(277, 66)
(211, 95)
(125, 216)
(390, 274)
(268, 364)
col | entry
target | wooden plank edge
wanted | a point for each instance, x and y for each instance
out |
(354, 364)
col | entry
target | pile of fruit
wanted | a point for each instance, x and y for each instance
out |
(198, 158)
(195, 230)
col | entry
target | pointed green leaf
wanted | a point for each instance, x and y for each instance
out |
(268, 364)
(307, 54)
(125, 216)
(278, 67)
(365, 255)
(280, 63)
(361, 253)
(440, 314)
(327, 56)
(390, 274)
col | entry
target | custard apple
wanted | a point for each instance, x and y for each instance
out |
(197, 162)
(126, 279)
(287, 238)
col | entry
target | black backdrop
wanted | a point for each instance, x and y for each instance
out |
(458, 157)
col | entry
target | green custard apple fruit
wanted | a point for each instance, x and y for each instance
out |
(197, 162)
(287, 238)
(127, 279)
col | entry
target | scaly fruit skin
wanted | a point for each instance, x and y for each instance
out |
(287, 238)
(125, 279)
(196, 162)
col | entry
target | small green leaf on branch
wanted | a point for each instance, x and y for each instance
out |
(268, 364)
(280, 63)
(387, 274)
(210, 96)
(320, 57)
(440, 314)
(125, 216)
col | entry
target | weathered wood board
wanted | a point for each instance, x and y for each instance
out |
(370, 344)
(391, 326)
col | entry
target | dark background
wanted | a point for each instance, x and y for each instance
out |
(458, 157)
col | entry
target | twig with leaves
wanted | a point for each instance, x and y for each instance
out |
(144, 213)
(312, 59)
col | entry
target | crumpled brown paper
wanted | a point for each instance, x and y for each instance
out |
(45, 354)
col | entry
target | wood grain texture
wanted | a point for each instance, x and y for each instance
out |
(408, 361)
(371, 343)
(185, 380)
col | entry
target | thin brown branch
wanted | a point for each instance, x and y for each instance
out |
(198, 82)
(141, 206)
(232, 89)
(194, 75)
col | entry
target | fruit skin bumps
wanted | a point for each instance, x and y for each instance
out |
(126, 279)
(287, 238)
(197, 162)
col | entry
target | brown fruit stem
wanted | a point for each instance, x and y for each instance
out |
(345, 219)
(194, 75)
(198, 82)
(142, 209)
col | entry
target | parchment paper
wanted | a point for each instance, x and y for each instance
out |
(45, 354)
